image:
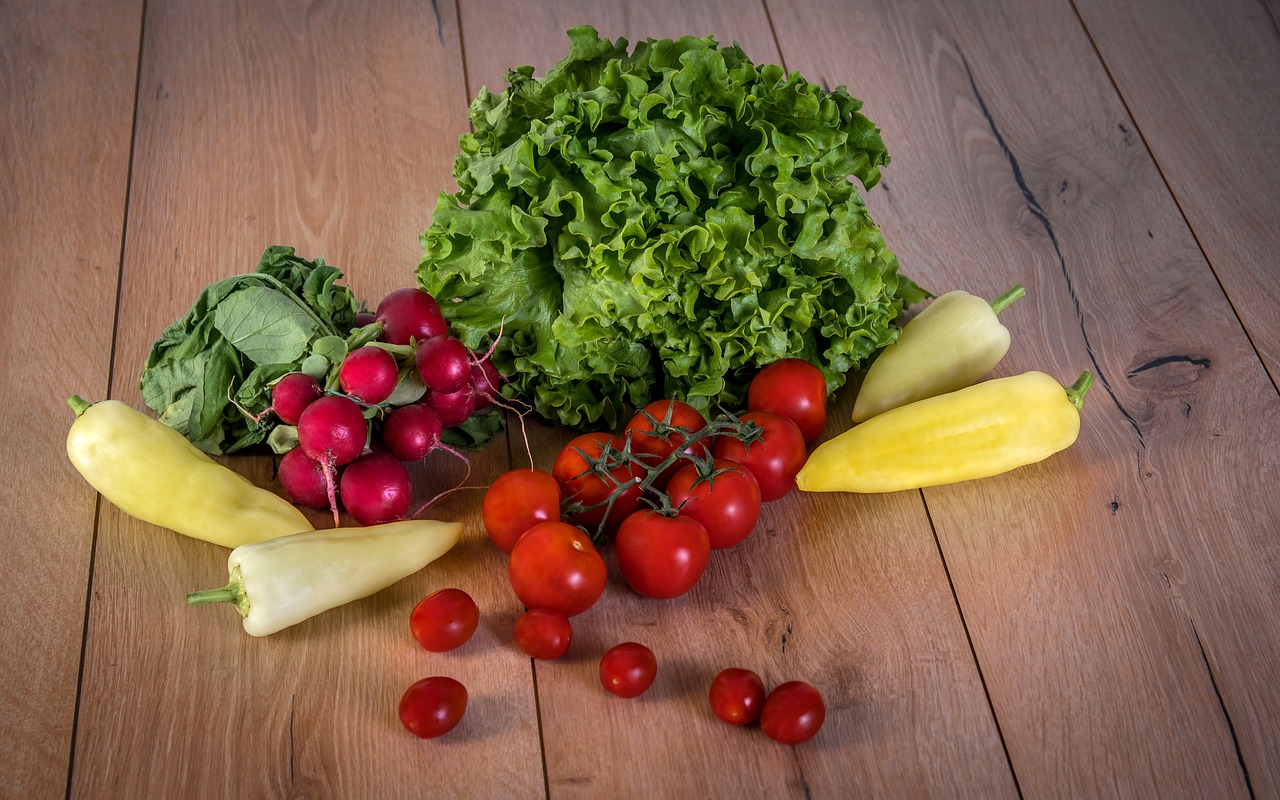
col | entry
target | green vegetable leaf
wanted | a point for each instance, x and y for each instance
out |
(210, 372)
(662, 222)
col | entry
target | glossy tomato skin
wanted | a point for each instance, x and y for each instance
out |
(555, 566)
(795, 389)
(628, 669)
(661, 557)
(543, 633)
(444, 620)
(580, 484)
(793, 713)
(433, 706)
(737, 695)
(774, 460)
(727, 503)
(517, 501)
(653, 448)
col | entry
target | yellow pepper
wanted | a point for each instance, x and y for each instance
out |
(284, 581)
(975, 432)
(952, 344)
(154, 474)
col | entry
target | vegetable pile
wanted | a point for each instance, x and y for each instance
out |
(661, 224)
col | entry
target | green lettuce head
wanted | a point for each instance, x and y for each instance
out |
(662, 224)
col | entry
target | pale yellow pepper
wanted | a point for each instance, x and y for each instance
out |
(151, 472)
(951, 344)
(284, 581)
(974, 432)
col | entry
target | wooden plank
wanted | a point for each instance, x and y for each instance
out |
(907, 712)
(1202, 82)
(1121, 597)
(328, 127)
(67, 80)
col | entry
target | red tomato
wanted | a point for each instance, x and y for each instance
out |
(661, 557)
(517, 501)
(793, 713)
(555, 566)
(444, 620)
(653, 448)
(736, 696)
(628, 669)
(795, 389)
(726, 502)
(433, 706)
(543, 633)
(774, 460)
(591, 486)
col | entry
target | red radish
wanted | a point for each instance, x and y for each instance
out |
(369, 374)
(444, 364)
(292, 394)
(364, 318)
(303, 479)
(412, 431)
(453, 407)
(410, 314)
(486, 383)
(333, 431)
(376, 488)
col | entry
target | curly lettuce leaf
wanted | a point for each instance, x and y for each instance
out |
(662, 223)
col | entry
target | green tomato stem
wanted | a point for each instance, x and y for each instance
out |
(1002, 302)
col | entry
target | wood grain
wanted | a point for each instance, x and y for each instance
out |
(66, 115)
(328, 127)
(1086, 582)
(1202, 83)
(847, 593)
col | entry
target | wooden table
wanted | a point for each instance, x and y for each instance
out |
(1103, 624)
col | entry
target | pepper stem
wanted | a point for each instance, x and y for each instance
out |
(1002, 302)
(79, 404)
(1077, 390)
(233, 593)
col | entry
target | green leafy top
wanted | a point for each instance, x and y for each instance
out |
(662, 222)
(241, 335)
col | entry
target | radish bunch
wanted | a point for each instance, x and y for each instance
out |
(385, 404)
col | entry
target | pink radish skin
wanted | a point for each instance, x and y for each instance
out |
(376, 488)
(453, 407)
(333, 431)
(410, 314)
(444, 364)
(412, 431)
(486, 383)
(291, 395)
(364, 318)
(302, 478)
(369, 374)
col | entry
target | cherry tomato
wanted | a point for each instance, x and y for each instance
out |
(774, 460)
(653, 448)
(793, 713)
(736, 696)
(543, 633)
(726, 502)
(661, 557)
(433, 706)
(592, 486)
(555, 566)
(795, 389)
(444, 620)
(517, 501)
(628, 669)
